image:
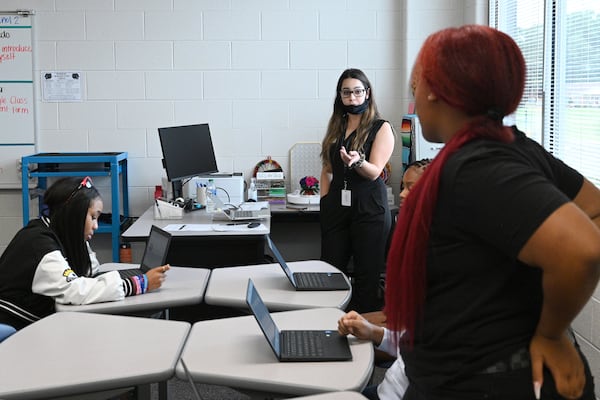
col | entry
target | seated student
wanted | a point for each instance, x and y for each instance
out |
(411, 175)
(50, 259)
(395, 382)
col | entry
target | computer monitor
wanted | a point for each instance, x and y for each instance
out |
(187, 152)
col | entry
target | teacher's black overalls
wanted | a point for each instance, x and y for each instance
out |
(359, 231)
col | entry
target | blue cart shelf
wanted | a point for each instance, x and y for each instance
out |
(113, 165)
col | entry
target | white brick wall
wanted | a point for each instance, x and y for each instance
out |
(262, 73)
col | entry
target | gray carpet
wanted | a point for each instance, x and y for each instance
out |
(181, 390)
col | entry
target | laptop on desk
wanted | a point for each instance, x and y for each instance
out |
(242, 215)
(236, 214)
(309, 280)
(155, 253)
(297, 345)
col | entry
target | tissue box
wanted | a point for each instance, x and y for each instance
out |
(166, 210)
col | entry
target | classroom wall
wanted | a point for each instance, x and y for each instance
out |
(262, 73)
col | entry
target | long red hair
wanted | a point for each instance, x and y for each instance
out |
(481, 72)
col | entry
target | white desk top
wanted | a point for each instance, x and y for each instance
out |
(74, 353)
(234, 352)
(227, 287)
(182, 286)
(141, 227)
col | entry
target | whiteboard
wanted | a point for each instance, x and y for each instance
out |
(17, 112)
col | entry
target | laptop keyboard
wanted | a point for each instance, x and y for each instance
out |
(302, 344)
(306, 279)
(128, 273)
(243, 213)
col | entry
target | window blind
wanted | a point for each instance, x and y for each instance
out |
(561, 104)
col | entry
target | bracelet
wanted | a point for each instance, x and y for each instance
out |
(358, 163)
(138, 288)
(145, 277)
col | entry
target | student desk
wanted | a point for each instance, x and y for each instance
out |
(182, 286)
(227, 287)
(233, 352)
(72, 354)
(208, 248)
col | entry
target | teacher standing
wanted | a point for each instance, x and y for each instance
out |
(355, 218)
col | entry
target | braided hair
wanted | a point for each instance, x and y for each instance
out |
(479, 71)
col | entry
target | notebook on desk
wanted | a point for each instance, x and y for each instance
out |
(297, 345)
(155, 253)
(309, 280)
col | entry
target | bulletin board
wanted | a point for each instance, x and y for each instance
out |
(16, 94)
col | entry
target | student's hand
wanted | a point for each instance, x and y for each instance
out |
(563, 361)
(156, 276)
(352, 323)
(350, 157)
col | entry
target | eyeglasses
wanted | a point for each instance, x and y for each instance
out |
(358, 92)
(85, 183)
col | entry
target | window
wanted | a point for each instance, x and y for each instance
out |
(561, 104)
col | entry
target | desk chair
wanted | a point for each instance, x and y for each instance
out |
(6, 331)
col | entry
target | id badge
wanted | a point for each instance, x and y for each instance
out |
(346, 198)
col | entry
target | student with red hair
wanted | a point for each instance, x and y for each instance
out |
(497, 249)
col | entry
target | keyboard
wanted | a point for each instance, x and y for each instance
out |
(302, 343)
(243, 213)
(307, 279)
(128, 273)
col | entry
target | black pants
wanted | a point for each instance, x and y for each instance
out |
(361, 232)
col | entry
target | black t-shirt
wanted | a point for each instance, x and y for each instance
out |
(482, 303)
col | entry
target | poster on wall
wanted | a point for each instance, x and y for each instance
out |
(61, 86)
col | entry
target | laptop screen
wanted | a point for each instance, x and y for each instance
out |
(156, 250)
(261, 313)
(280, 260)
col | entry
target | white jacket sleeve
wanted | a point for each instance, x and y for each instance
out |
(395, 381)
(55, 278)
(387, 343)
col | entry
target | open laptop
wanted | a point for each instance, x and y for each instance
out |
(309, 280)
(242, 215)
(155, 253)
(297, 345)
(236, 214)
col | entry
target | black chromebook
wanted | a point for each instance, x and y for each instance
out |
(297, 345)
(309, 280)
(155, 253)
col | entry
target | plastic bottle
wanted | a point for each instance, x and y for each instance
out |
(125, 253)
(158, 192)
(211, 191)
(252, 193)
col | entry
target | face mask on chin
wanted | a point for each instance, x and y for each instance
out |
(357, 109)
